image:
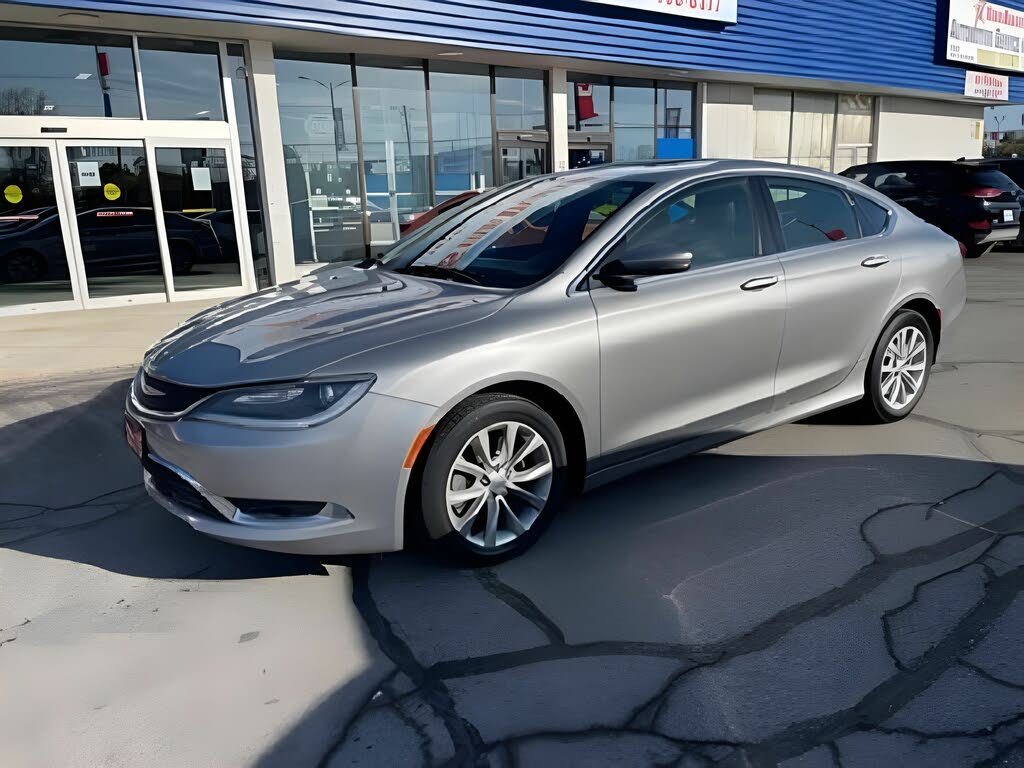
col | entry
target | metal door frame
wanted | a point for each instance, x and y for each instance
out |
(246, 269)
(77, 286)
(64, 165)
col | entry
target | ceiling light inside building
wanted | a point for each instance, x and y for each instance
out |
(83, 76)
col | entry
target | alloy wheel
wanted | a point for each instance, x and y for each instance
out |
(499, 484)
(903, 367)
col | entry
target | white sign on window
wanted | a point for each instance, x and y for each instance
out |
(201, 180)
(88, 173)
(985, 34)
(709, 10)
(985, 85)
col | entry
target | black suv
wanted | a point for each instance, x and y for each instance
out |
(977, 204)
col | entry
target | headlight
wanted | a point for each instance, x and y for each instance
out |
(284, 406)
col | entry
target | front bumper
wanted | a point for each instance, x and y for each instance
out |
(352, 463)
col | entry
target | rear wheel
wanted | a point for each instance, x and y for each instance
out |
(899, 368)
(494, 478)
(24, 266)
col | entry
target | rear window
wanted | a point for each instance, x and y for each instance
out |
(812, 214)
(986, 177)
(873, 217)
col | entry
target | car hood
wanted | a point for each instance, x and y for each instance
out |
(290, 331)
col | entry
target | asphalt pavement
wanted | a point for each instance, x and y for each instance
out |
(817, 595)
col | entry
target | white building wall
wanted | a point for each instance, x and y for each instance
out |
(920, 129)
(727, 115)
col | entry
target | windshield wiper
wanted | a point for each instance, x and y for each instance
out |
(444, 273)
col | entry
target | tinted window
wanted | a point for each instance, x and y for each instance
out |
(714, 221)
(524, 237)
(56, 73)
(986, 177)
(873, 217)
(812, 214)
(904, 179)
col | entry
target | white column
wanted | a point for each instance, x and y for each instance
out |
(558, 115)
(277, 220)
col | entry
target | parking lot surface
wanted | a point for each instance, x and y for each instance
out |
(817, 595)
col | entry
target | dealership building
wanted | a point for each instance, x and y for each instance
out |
(133, 134)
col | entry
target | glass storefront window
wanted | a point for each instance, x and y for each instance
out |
(853, 130)
(519, 103)
(396, 150)
(675, 110)
(59, 73)
(460, 113)
(181, 79)
(235, 63)
(634, 120)
(318, 127)
(589, 102)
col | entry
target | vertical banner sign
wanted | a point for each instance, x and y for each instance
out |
(709, 10)
(985, 34)
(985, 85)
(584, 102)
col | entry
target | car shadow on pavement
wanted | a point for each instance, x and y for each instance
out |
(70, 488)
(727, 609)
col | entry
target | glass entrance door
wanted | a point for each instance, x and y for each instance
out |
(35, 271)
(521, 160)
(114, 220)
(199, 217)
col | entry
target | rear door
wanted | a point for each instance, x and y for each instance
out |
(839, 285)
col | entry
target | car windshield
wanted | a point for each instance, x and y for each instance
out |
(520, 238)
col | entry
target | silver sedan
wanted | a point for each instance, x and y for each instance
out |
(534, 342)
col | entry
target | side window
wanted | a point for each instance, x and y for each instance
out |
(812, 214)
(873, 217)
(714, 221)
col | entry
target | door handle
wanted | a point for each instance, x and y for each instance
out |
(759, 283)
(874, 261)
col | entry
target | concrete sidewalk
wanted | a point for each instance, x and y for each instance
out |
(42, 345)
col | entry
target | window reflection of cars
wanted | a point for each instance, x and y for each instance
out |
(114, 241)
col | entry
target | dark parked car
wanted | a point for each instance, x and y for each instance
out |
(115, 241)
(977, 204)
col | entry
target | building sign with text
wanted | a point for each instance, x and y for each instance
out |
(709, 10)
(985, 85)
(985, 34)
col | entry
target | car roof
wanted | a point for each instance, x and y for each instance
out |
(659, 171)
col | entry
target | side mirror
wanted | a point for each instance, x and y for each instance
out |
(622, 276)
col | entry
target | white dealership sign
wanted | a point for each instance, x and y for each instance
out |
(985, 34)
(985, 85)
(709, 10)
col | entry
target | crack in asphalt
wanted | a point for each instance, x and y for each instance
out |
(464, 736)
(877, 706)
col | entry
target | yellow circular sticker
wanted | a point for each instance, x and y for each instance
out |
(111, 191)
(12, 193)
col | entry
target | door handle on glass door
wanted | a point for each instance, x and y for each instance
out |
(759, 282)
(874, 261)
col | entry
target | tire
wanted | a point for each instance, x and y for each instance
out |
(977, 251)
(519, 523)
(183, 258)
(882, 401)
(24, 266)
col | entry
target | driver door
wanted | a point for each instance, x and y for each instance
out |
(692, 353)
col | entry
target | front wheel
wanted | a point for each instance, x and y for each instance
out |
(899, 368)
(494, 478)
